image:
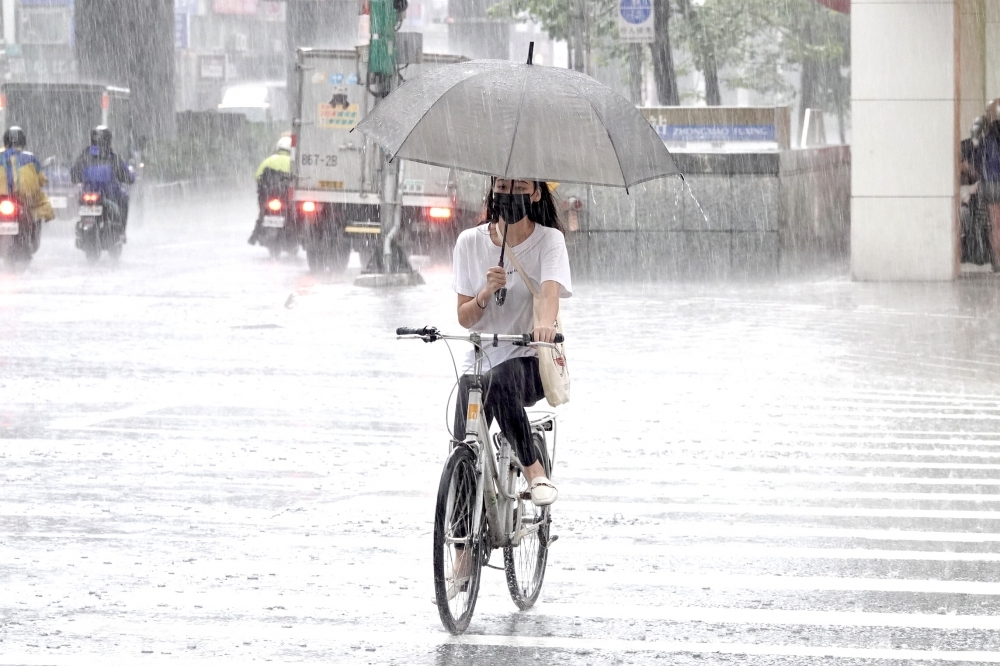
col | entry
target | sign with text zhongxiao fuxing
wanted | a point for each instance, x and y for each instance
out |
(635, 21)
(721, 124)
(716, 133)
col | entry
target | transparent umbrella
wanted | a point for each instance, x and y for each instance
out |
(526, 122)
(521, 121)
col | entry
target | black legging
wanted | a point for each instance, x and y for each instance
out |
(507, 390)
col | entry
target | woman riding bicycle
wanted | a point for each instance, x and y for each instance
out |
(524, 211)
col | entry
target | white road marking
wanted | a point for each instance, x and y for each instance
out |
(428, 640)
(669, 475)
(676, 528)
(778, 449)
(646, 508)
(661, 493)
(796, 583)
(87, 420)
(714, 551)
(824, 462)
(723, 615)
(747, 649)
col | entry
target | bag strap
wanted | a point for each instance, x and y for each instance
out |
(524, 276)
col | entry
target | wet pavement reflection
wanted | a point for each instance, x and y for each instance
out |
(210, 456)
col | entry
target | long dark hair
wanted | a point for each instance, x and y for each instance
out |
(543, 213)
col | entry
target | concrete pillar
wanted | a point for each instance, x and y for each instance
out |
(972, 62)
(130, 43)
(905, 116)
(992, 46)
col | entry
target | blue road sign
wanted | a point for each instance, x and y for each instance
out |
(635, 12)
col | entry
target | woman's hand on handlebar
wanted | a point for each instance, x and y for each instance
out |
(544, 334)
(496, 279)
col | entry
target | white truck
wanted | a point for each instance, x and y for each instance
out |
(337, 173)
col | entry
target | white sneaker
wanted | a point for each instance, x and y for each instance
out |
(543, 493)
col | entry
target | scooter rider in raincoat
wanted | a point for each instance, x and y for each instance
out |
(22, 175)
(100, 168)
(272, 175)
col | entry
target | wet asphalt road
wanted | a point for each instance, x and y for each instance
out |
(210, 457)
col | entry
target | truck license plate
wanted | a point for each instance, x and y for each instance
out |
(274, 221)
(8, 228)
(91, 211)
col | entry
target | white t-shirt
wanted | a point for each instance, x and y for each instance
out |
(543, 257)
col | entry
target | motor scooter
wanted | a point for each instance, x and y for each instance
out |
(100, 228)
(277, 231)
(20, 233)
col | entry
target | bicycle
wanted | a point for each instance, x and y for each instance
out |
(482, 477)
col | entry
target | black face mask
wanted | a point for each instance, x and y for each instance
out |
(511, 208)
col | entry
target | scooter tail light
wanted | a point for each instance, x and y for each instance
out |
(8, 208)
(91, 197)
(274, 205)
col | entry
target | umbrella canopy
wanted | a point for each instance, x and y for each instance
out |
(512, 120)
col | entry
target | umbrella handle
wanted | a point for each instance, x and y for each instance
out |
(501, 294)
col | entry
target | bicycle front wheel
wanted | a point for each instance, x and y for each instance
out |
(458, 547)
(524, 564)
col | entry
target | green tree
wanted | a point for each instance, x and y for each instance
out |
(751, 43)
(585, 25)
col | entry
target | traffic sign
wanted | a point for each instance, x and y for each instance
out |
(636, 21)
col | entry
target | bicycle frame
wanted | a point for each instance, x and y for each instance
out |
(493, 492)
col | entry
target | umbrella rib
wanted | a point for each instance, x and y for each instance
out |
(610, 140)
(517, 124)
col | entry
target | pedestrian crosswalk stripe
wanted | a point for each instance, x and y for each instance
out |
(750, 582)
(720, 615)
(659, 493)
(668, 477)
(823, 462)
(708, 529)
(711, 449)
(713, 550)
(609, 506)
(386, 639)
(618, 645)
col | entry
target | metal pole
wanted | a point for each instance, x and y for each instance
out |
(390, 214)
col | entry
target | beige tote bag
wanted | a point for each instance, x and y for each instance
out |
(552, 365)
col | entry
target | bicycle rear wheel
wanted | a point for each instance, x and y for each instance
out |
(524, 564)
(458, 549)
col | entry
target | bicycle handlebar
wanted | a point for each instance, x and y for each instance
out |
(426, 330)
(430, 334)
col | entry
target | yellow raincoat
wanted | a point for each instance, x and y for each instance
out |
(28, 181)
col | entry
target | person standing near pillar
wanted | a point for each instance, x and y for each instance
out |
(987, 162)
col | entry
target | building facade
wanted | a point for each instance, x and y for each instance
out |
(922, 71)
